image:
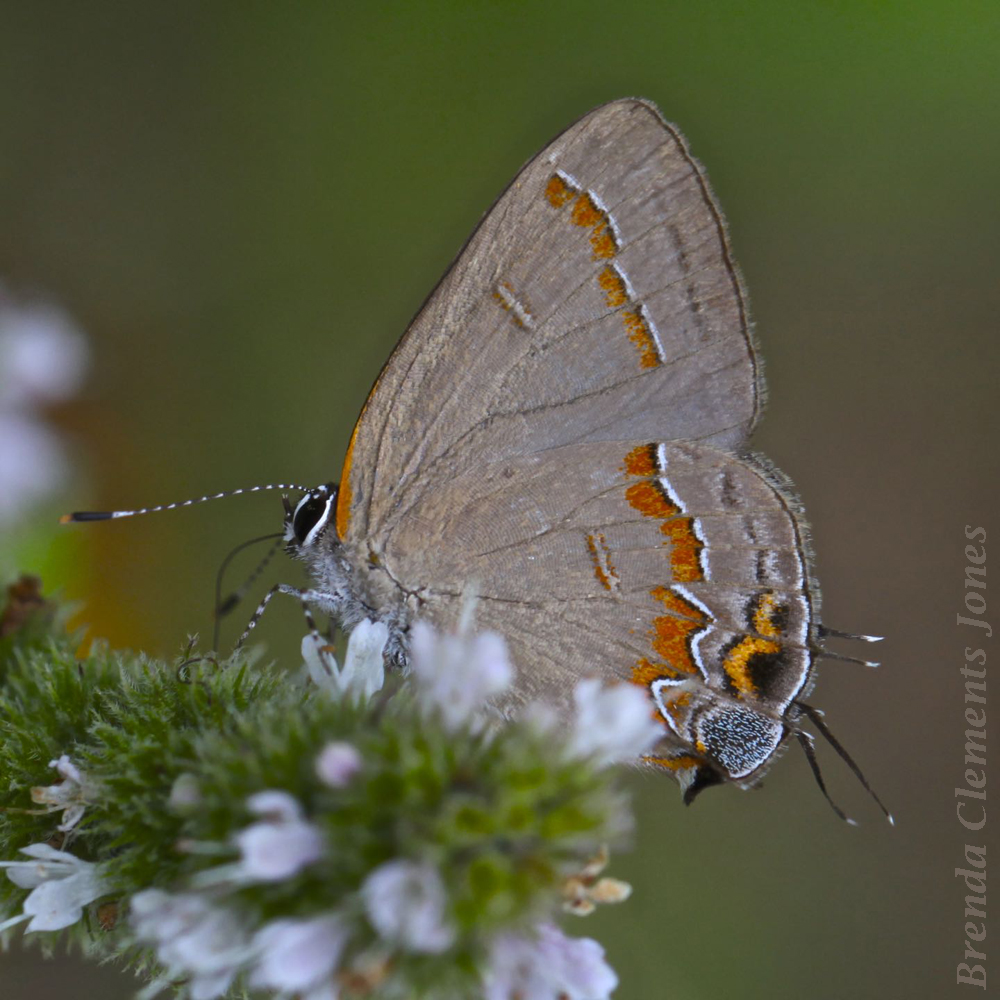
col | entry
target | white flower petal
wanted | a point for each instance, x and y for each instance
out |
(162, 916)
(458, 674)
(27, 874)
(67, 769)
(48, 853)
(324, 991)
(275, 805)
(364, 666)
(58, 903)
(272, 851)
(322, 666)
(212, 943)
(405, 903)
(297, 955)
(512, 971)
(48, 864)
(338, 762)
(612, 723)
(71, 816)
(211, 986)
(193, 938)
(550, 966)
(363, 672)
(575, 965)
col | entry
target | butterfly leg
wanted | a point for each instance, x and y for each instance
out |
(305, 597)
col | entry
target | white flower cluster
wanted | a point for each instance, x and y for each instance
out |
(42, 361)
(198, 937)
(201, 936)
(404, 901)
(208, 945)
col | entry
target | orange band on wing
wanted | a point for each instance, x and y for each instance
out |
(604, 568)
(685, 549)
(616, 294)
(678, 605)
(651, 499)
(737, 662)
(640, 335)
(680, 763)
(345, 494)
(767, 615)
(641, 461)
(671, 640)
(671, 637)
(558, 191)
(585, 213)
(645, 672)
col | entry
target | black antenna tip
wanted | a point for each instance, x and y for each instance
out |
(86, 515)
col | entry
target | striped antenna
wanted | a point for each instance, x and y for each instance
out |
(110, 515)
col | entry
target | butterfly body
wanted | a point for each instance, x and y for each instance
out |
(562, 434)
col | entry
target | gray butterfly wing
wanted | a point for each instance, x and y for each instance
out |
(673, 565)
(596, 301)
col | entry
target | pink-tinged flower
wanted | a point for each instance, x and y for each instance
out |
(282, 844)
(194, 939)
(337, 764)
(42, 360)
(298, 956)
(61, 886)
(363, 672)
(70, 797)
(405, 902)
(613, 724)
(32, 463)
(550, 966)
(458, 674)
(43, 356)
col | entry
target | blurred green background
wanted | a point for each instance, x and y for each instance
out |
(244, 203)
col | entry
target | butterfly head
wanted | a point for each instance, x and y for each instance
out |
(306, 522)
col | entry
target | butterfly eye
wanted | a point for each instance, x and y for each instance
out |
(312, 513)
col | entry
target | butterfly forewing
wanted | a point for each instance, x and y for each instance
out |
(596, 301)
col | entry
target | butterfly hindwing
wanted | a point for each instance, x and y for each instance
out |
(673, 565)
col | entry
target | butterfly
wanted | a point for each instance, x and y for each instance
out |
(562, 433)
